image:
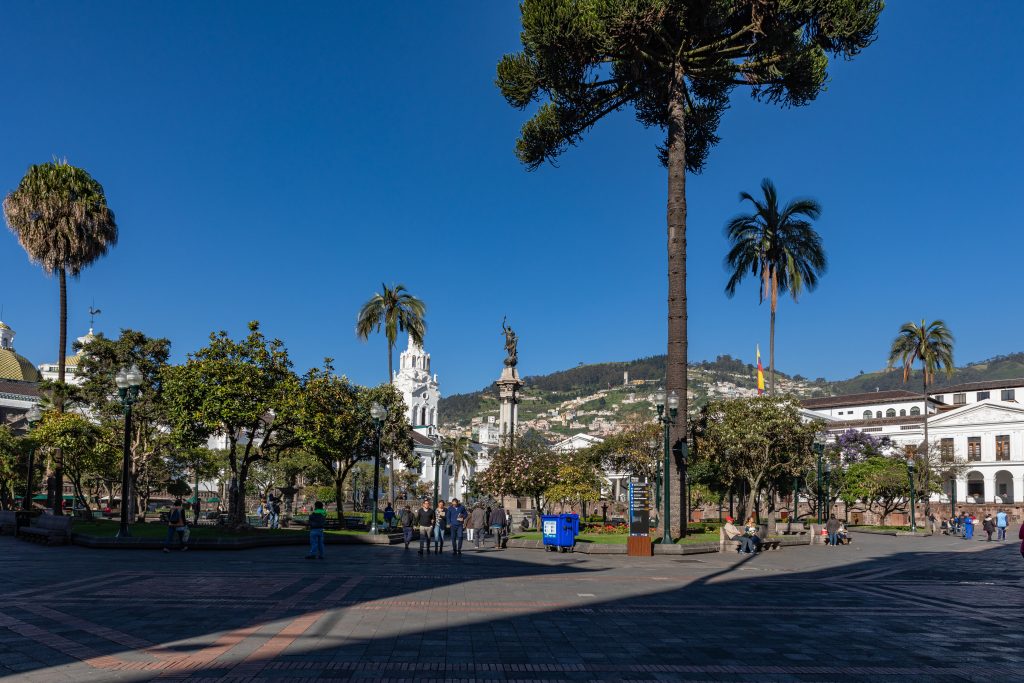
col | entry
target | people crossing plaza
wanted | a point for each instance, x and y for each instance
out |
(425, 522)
(457, 518)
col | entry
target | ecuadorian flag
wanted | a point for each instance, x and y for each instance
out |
(760, 372)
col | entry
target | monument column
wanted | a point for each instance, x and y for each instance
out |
(509, 384)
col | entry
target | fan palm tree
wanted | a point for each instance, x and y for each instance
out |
(395, 310)
(60, 216)
(462, 454)
(779, 246)
(932, 345)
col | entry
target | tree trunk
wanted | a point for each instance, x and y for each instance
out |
(391, 456)
(675, 370)
(771, 339)
(58, 398)
(924, 411)
(339, 495)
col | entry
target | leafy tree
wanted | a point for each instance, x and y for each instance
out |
(396, 310)
(779, 246)
(11, 449)
(520, 467)
(932, 345)
(148, 442)
(879, 482)
(576, 480)
(334, 425)
(243, 389)
(195, 463)
(82, 445)
(636, 449)
(756, 440)
(60, 215)
(675, 64)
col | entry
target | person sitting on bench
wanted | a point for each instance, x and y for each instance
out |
(734, 534)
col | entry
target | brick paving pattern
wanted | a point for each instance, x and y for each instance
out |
(884, 609)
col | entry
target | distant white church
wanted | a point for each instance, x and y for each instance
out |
(418, 388)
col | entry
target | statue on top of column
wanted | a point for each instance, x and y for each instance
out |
(511, 344)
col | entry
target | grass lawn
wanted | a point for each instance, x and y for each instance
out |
(206, 533)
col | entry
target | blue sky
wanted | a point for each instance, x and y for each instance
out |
(276, 161)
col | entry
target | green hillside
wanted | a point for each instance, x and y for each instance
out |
(543, 393)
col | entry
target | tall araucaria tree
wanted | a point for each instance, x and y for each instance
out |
(932, 345)
(675, 63)
(779, 246)
(395, 310)
(61, 218)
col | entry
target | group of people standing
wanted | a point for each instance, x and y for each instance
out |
(963, 525)
(452, 519)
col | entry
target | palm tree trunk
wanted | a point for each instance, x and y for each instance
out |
(924, 412)
(58, 402)
(771, 352)
(391, 456)
(675, 370)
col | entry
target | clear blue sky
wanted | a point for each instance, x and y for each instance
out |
(277, 161)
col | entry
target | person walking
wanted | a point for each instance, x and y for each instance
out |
(406, 519)
(1001, 521)
(497, 523)
(832, 528)
(316, 532)
(275, 512)
(425, 522)
(968, 527)
(176, 525)
(457, 518)
(478, 521)
(440, 526)
(989, 525)
(389, 515)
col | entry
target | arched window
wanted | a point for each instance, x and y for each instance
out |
(423, 416)
(915, 411)
(867, 414)
(903, 412)
(431, 416)
(878, 414)
(891, 412)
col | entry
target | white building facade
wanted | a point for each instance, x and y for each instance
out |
(980, 425)
(419, 388)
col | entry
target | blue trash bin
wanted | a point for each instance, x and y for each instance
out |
(559, 531)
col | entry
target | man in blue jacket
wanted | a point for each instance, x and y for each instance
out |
(1001, 522)
(457, 518)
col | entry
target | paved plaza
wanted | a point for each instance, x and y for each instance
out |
(884, 609)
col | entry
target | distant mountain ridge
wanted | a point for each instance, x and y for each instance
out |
(586, 379)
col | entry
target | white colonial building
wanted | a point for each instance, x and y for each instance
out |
(980, 424)
(418, 388)
(71, 363)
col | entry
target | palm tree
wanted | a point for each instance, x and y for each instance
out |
(462, 454)
(396, 310)
(780, 247)
(930, 343)
(60, 215)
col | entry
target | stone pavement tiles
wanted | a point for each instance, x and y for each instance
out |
(883, 609)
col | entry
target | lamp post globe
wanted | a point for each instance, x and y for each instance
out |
(379, 413)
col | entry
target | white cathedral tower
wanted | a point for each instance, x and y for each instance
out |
(419, 388)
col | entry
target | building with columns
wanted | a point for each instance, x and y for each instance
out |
(980, 424)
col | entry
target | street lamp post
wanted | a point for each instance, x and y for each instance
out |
(667, 418)
(910, 477)
(128, 381)
(439, 460)
(818, 449)
(654, 443)
(828, 489)
(379, 413)
(952, 497)
(33, 416)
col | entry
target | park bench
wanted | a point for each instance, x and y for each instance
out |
(8, 522)
(47, 529)
(787, 529)
(766, 542)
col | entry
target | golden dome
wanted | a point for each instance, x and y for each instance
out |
(13, 366)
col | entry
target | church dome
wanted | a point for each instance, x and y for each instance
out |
(12, 365)
(16, 367)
